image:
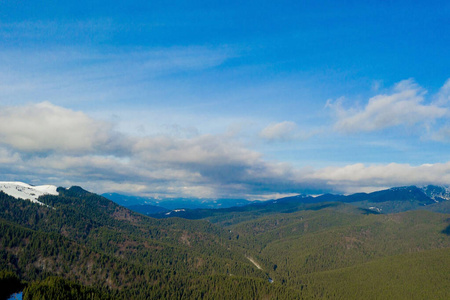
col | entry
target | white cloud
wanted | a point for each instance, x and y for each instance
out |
(442, 135)
(283, 131)
(45, 127)
(208, 149)
(9, 157)
(403, 106)
(443, 97)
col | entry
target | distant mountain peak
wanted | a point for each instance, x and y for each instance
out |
(436, 193)
(409, 188)
(20, 190)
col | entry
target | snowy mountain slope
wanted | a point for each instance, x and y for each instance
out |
(25, 191)
(437, 193)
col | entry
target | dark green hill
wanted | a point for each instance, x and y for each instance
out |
(291, 245)
(147, 209)
(80, 233)
(235, 215)
(419, 275)
(98, 248)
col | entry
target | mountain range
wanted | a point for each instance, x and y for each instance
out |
(74, 244)
(393, 200)
(174, 203)
(404, 198)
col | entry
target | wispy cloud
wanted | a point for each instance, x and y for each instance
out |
(441, 135)
(283, 131)
(71, 75)
(443, 96)
(403, 106)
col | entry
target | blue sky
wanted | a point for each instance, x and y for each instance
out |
(223, 98)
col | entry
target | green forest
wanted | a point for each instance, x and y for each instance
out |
(83, 246)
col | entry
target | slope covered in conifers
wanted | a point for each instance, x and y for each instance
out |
(109, 251)
(85, 237)
(292, 245)
(417, 275)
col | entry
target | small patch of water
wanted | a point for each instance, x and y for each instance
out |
(16, 296)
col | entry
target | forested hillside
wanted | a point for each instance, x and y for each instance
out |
(83, 245)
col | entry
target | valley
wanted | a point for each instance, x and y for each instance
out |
(293, 248)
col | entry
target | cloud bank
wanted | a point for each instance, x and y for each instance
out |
(360, 177)
(47, 144)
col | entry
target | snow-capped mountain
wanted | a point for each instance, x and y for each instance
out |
(437, 193)
(25, 191)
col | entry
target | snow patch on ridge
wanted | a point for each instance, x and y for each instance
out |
(176, 210)
(20, 190)
(437, 193)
